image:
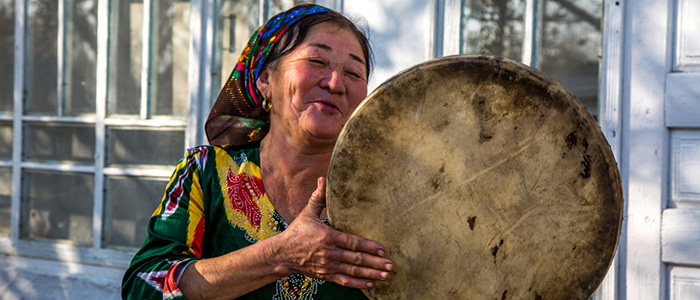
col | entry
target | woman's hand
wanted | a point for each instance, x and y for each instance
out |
(315, 249)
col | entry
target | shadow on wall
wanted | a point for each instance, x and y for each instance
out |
(30, 283)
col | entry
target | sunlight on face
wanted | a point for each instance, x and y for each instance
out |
(315, 88)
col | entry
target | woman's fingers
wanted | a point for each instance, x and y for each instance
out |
(351, 275)
(354, 257)
(317, 202)
(331, 255)
(355, 243)
(349, 281)
(364, 260)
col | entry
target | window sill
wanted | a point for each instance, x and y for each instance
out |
(68, 253)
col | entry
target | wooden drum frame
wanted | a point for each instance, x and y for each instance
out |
(483, 178)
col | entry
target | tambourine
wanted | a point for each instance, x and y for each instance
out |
(483, 178)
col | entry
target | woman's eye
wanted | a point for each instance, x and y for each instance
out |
(317, 62)
(354, 74)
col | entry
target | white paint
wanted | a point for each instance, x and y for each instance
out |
(610, 114)
(153, 171)
(451, 36)
(146, 59)
(100, 114)
(683, 99)
(531, 34)
(437, 28)
(687, 35)
(160, 123)
(86, 119)
(684, 283)
(61, 60)
(644, 148)
(193, 134)
(399, 32)
(57, 167)
(685, 169)
(18, 110)
(681, 238)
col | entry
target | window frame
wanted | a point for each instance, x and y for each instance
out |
(17, 244)
(202, 92)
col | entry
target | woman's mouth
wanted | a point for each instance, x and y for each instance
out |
(327, 105)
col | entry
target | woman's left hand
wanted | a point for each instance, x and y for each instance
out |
(310, 247)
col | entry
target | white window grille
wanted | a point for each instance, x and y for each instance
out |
(103, 99)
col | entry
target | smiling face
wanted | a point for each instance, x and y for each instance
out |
(315, 88)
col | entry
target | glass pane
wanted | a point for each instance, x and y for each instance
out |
(126, 44)
(277, 6)
(297, 2)
(7, 54)
(237, 21)
(41, 66)
(58, 205)
(171, 44)
(571, 43)
(81, 57)
(130, 203)
(129, 146)
(59, 142)
(6, 140)
(5, 200)
(493, 27)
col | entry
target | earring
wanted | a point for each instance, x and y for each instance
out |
(266, 105)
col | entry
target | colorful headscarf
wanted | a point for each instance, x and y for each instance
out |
(237, 116)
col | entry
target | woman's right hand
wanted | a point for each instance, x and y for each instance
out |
(310, 247)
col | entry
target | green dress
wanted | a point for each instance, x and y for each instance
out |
(215, 203)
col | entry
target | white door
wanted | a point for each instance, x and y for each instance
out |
(660, 161)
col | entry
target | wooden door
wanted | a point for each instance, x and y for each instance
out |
(660, 162)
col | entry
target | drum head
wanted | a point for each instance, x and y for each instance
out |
(483, 178)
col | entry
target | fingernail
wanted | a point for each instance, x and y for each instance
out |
(384, 275)
(318, 182)
(380, 252)
(370, 284)
(389, 267)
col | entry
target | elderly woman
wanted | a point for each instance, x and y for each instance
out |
(246, 219)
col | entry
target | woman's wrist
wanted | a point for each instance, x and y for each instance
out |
(276, 257)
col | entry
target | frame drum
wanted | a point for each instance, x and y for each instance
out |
(483, 178)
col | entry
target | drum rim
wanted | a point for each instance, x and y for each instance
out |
(525, 71)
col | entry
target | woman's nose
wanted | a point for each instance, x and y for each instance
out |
(334, 81)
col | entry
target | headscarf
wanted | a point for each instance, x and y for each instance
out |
(237, 117)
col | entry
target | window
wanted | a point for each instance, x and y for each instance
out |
(103, 117)
(236, 22)
(100, 111)
(563, 38)
(7, 46)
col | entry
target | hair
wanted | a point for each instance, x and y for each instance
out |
(296, 33)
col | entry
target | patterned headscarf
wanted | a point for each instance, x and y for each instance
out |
(237, 116)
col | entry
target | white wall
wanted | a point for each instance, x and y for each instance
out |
(400, 32)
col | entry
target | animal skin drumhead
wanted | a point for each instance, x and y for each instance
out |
(483, 178)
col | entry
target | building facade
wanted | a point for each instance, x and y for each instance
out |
(99, 99)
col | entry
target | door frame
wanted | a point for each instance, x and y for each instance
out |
(644, 157)
(610, 117)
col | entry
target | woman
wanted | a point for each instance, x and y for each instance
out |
(221, 230)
